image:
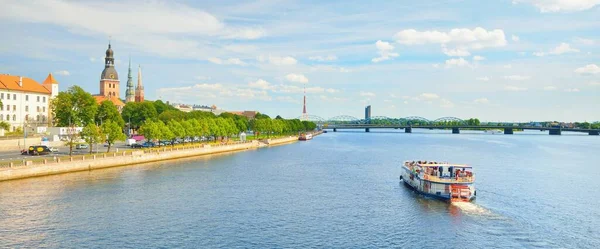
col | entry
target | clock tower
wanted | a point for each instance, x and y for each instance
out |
(109, 79)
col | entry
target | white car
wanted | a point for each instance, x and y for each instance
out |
(81, 146)
(53, 149)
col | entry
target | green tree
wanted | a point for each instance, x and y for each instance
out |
(165, 132)
(138, 113)
(73, 108)
(177, 130)
(188, 129)
(113, 132)
(150, 130)
(108, 111)
(162, 107)
(92, 134)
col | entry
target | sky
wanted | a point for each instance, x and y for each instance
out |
(503, 60)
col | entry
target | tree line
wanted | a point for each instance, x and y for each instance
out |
(155, 120)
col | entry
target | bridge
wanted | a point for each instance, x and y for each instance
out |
(445, 123)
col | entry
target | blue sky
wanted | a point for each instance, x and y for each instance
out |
(507, 60)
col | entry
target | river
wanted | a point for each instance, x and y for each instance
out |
(339, 190)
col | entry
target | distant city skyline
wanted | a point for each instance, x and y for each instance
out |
(520, 60)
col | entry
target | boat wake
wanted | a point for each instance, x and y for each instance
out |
(473, 209)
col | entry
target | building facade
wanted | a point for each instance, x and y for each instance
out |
(25, 102)
(109, 82)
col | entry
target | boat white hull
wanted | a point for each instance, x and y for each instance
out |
(437, 190)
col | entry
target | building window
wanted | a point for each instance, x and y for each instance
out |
(37, 109)
(14, 96)
(26, 97)
(7, 117)
(14, 108)
(37, 118)
(44, 109)
(1, 95)
(26, 108)
(44, 100)
(14, 117)
(38, 98)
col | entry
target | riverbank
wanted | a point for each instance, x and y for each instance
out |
(86, 163)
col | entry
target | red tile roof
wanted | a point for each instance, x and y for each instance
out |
(114, 100)
(11, 82)
(50, 80)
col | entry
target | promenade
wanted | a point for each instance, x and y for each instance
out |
(44, 167)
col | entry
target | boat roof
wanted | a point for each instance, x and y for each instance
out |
(436, 164)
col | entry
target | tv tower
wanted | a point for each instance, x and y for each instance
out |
(304, 116)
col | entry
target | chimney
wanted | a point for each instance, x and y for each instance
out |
(20, 81)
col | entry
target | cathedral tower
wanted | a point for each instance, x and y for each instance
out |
(109, 79)
(139, 90)
(129, 93)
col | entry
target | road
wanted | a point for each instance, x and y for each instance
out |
(62, 151)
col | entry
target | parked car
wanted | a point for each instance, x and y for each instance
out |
(53, 149)
(144, 145)
(81, 146)
(136, 146)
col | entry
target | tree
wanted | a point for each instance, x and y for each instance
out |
(188, 129)
(162, 107)
(113, 132)
(165, 132)
(261, 116)
(138, 113)
(150, 130)
(108, 111)
(73, 108)
(92, 134)
(177, 130)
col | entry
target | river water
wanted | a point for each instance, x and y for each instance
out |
(340, 190)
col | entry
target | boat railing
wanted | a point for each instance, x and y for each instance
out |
(449, 179)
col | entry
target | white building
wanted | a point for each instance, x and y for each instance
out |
(26, 102)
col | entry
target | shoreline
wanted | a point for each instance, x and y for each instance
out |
(136, 157)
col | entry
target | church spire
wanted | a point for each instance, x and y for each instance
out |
(129, 93)
(139, 90)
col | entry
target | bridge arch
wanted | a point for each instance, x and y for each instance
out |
(417, 118)
(446, 119)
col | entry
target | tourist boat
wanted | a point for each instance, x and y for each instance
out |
(446, 181)
(305, 137)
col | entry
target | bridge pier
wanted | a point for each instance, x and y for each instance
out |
(408, 130)
(508, 131)
(594, 133)
(455, 131)
(367, 130)
(334, 130)
(555, 131)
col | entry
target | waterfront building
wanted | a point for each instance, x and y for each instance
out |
(139, 90)
(26, 103)
(109, 81)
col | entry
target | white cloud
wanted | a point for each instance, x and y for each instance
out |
(260, 84)
(549, 88)
(288, 99)
(460, 62)
(572, 90)
(517, 77)
(455, 52)
(507, 66)
(330, 68)
(278, 60)
(594, 83)
(478, 58)
(481, 101)
(515, 38)
(560, 49)
(230, 61)
(444, 103)
(477, 38)
(515, 88)
(367, 94)
(323, 58)
(588, 69)
(300, 78)
(546, 6)
(483, 78)
(384, 50)
(331, 90)
(244, 33)
(332, 99)
(435, 65)
(63, 73)
(213, 91)
(429, 96)
(297, 89)
(584, 41)
(92, 59)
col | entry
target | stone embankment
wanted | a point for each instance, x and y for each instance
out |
(84, 163)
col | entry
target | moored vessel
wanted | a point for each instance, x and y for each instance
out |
(305, 137)
(442, 180)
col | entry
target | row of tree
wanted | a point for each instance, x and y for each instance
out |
(155, 120)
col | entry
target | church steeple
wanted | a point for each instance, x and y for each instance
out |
(139, 90)
(109, 79)
(129, 93)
